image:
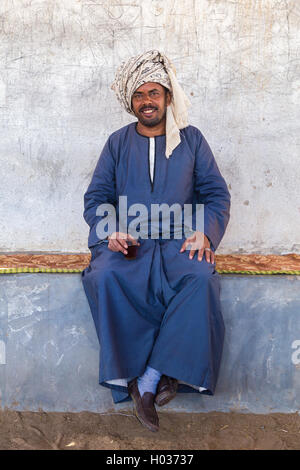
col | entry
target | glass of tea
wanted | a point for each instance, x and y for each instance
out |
(131, 250)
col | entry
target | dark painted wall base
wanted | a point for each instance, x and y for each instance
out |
(49, 349)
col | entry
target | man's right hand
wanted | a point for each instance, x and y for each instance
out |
(117, 241)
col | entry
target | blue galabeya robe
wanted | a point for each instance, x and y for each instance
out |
(161, 309)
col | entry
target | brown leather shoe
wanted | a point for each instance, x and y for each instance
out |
(144, 406)
(166, 390)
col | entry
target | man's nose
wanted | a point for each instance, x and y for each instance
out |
(147, 104)
(147, 101)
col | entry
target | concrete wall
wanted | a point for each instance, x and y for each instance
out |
(239, 62)
(49, 352)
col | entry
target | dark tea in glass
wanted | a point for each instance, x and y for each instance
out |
(132, 250)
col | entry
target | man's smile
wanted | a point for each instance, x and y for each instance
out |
(148, 112)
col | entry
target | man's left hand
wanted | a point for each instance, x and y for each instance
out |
(199, 242)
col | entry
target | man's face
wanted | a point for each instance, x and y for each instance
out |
(149, 103)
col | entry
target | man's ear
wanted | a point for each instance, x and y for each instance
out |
(169, 97)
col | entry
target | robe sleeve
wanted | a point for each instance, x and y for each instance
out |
(102, 189)
(212, 191)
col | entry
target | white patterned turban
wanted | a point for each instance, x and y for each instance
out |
(153, 66)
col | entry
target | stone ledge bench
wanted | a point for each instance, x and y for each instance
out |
(49, 352)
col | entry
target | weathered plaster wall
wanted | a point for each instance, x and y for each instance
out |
(239, 61)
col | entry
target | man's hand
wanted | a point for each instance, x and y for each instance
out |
(117, 241)
(199, 241)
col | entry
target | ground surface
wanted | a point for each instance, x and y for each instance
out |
(85, 430)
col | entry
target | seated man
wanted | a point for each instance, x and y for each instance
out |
(158, 317)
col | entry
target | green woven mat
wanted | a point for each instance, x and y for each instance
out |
(65, 270)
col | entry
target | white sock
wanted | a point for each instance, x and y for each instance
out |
(148, 381)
